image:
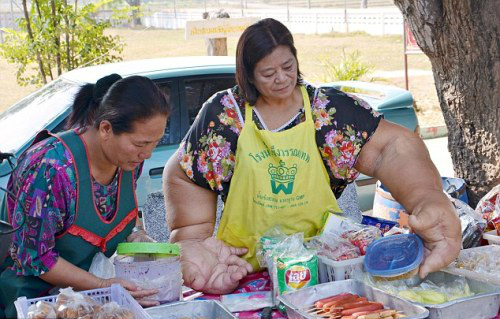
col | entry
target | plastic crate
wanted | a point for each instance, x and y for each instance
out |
(330, 270)
(492, 237)
(104, 295)
(490, 277)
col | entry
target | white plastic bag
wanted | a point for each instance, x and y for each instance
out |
(102, 267)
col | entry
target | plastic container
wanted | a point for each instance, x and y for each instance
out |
(492, 237)
(114, 293)
(479, 263)
(331, 270)
(151, 266)
(394, 257)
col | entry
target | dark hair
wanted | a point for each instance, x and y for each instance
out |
(256, 42)
(121, 101)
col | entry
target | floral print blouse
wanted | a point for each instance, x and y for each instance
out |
(344, 123)
(45, 183)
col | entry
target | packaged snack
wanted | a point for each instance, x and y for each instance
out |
(383, 224)
(114, 311)
(291, 266)
(472, 223)
(41, 310)
(489, 208)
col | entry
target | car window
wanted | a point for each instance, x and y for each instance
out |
(166, 87)
(200, 89)
(33, 113)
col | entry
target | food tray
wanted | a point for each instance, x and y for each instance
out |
(330, 270)
(104, 295)
(487, 277)
(296, 301)
(206, 309)
(483, 305)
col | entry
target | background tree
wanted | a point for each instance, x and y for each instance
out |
(56, 37)
(462, 40)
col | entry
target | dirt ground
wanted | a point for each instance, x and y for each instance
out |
(384, 53)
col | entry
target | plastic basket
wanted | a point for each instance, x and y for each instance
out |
(492, 237)
(330, 270)
(491, 277)
(104, 295)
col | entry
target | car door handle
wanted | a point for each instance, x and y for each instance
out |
(155, 172)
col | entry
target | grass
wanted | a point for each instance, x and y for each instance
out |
(384, 53)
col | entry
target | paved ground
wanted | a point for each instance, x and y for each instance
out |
(438, 149)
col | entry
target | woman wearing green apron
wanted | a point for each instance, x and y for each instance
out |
(280, 151)
(75, 191)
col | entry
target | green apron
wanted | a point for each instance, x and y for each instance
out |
(89, 234)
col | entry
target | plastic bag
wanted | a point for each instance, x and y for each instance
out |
(70, 304)
(247, 301)
(41, 310)
(112, 310)
(426, 292)
(489, 208)
(291, 266)
(340, 229)
(102, 267)
(472, 223)
(333, 247)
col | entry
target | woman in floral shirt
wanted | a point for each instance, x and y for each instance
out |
(343, 125)
(280, 151)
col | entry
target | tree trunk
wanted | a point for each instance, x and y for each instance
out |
(30, 35)
(461, 39)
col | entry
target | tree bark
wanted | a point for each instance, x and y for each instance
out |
(461, 39)
(30, 35)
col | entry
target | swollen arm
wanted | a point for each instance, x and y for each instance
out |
(65, 274)
(400, 159)
(190, 208)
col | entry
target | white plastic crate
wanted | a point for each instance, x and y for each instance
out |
(330, 270)
(114, 293)
(492, 237)
(490, 277)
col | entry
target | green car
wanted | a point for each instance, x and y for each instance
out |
(188, 82)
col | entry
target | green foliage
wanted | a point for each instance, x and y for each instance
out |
(63, 37)
(350, 68)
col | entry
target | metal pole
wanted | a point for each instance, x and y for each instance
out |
(308, 4)
(242, 8)
(345, 16)
(175, 14)
(288, 10)
(205, 5)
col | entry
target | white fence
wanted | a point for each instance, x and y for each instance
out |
(377, 21)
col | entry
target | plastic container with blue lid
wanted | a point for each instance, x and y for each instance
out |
(394, 257)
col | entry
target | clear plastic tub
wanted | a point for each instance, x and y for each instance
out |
(394, 257)
(151, 266)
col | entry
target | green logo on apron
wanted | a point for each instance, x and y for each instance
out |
(282, 178)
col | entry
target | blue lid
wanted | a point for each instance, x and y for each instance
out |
(394, 255)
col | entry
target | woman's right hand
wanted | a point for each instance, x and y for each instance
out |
(211, 266)
(141, 295)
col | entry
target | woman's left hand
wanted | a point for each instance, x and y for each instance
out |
(437, 223)
(140, 236)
